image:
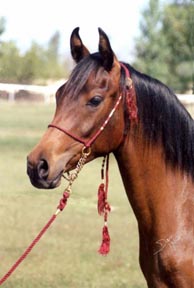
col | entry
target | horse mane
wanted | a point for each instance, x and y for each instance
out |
(165, 120)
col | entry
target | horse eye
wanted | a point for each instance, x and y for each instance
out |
(95, 101)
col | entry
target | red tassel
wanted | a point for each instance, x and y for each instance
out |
(105, 246)
(104, 208)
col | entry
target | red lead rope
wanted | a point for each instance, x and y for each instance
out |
(28, 250)
(60, 207)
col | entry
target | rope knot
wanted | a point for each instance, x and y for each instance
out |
(63, 201)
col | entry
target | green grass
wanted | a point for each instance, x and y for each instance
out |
(67, 254)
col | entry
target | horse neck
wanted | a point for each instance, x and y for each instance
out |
(151, 185)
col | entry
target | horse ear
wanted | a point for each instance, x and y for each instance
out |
(78, 50)
(105, 50)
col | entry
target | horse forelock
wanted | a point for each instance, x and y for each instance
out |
(80, 74)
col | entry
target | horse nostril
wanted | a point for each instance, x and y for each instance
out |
(43, 169)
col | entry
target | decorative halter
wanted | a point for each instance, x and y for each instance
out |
(103, 205)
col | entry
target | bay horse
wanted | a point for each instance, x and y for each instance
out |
(151, 136)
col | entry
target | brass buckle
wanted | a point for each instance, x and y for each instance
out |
(86, 151)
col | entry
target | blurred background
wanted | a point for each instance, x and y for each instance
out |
(157, 38)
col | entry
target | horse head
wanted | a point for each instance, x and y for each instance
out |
(83, 105)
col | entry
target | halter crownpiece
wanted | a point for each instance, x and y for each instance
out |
(130, 95)
(128, 80)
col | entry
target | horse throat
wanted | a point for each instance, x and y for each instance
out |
(152, 186)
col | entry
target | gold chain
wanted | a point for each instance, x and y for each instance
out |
(71, 177)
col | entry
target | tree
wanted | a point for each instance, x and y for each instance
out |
(151, 46)
(165, 46)
(9, 62)
(2, 29)
(53, 46)
(54, 68)
(2, 25)
(178, 27)
(37, 65)
(33, 65)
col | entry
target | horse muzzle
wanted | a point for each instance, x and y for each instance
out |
(39, 175)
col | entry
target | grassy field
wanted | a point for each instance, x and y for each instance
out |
(67, 255)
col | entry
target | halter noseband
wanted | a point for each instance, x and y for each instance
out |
(87, 143)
